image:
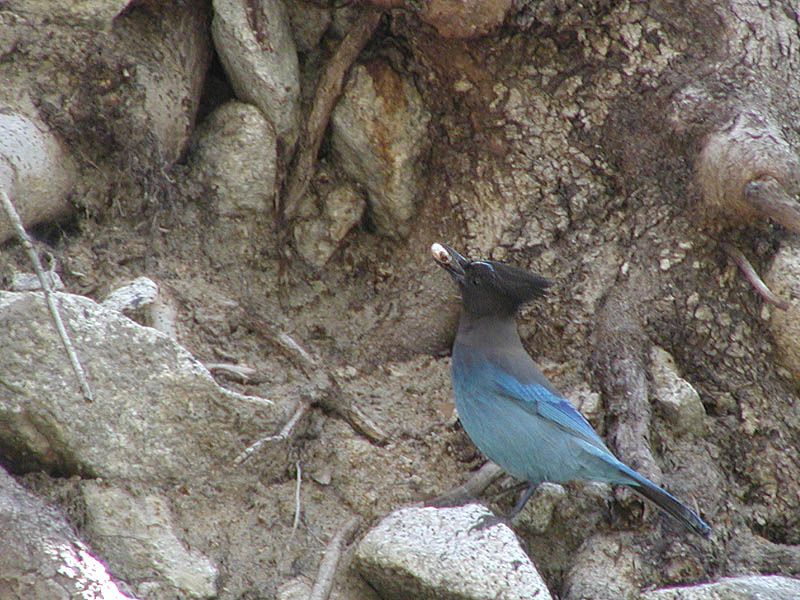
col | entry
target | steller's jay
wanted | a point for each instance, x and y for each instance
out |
(507, 407)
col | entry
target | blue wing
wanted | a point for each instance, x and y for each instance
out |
(536, 399)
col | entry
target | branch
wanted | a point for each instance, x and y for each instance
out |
(329, 88)
(284, 434)
(323, 389)
(327, 568)
(750, 273)
(297, 499)
(16, 222)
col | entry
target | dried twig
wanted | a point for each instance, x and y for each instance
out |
(284, 434)
(49, 297)
(327, 568)
(242, 373)
(750, 273)
(296, 522)
(328, 90)
(324, 388)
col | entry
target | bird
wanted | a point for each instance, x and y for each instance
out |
(510, 411)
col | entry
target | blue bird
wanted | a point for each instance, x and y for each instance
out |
(507, 407)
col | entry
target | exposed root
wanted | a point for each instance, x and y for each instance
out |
(750, 273)
(328, 91)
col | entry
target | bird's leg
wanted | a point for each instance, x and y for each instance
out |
(523, 499)
(487, 521)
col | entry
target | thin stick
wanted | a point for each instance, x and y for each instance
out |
(750, 273)
(296, 499)
(328, 91)
(16, 222)
(327, 568)
(284, 434)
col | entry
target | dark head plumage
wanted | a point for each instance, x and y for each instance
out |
(489, 287)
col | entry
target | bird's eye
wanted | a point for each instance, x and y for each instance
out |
(476, 281)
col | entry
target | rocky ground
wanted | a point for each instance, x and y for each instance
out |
(271, 407)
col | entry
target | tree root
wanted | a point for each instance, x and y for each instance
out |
(327, 568)
(750, 273)
(329, 88)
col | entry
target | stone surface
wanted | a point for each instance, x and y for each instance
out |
(135, 534)
(98, 14)
(309, 22)
(380, 132)
(678, 400)
(35, 171)
(235, 157)
(255, 45)
(157, 414)
(433, 553)
(749, 587)
(42, 559)
(783, 278)
(319, 231)
(604, 568)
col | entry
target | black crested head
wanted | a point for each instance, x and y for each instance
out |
(489, 287)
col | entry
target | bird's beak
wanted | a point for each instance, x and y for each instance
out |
(450, 260)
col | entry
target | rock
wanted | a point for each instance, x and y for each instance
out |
(783, 278)
(309, 22)
(29, 282)
(678, 400)
(235, 156)
(171, 63)
(749, 587)
(539, 510)
(604, 568)
(157, 415)
(48, 562)
(132, 296)
(317, 237)
(74, 65)
(97, 14)
(379, 133)
(256, 49)
(136, 537)
(433, 553)
(35, 171)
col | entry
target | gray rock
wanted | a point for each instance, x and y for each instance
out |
(317, 237)
(97, 14)
(235, 155)
(309, 22)
(256, 49)
(42, 559)
(135, 536)
(29, 282)
(751, 587)
(380, 132)
(604, 568)
(678, 400)
(35, 171)
(432, 553)
(157, 414)
(783, 278)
